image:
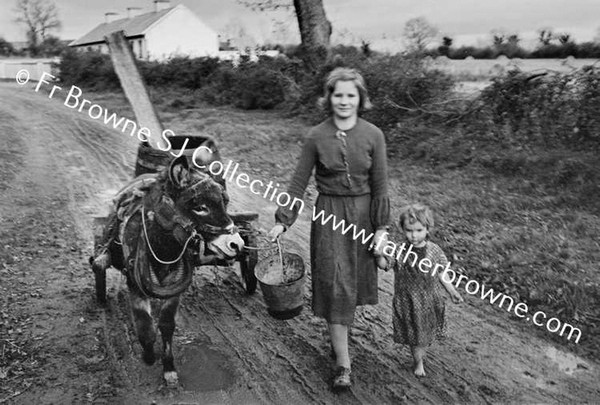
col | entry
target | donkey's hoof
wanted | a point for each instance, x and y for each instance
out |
(171, 379)
(148, 356)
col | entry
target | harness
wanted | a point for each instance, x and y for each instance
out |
(193, 235)
(129, 203)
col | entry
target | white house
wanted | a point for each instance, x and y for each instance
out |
(161, 34)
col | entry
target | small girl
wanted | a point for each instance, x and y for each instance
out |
(418, 307)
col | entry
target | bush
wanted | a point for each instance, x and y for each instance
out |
(185, 72)
(91, 70)
(402, 88)
(549, 109)
(94, 70)
(262, 85)
(6, 48)
(259, 87)
(475, 52)
(555, 51)
(399, 87)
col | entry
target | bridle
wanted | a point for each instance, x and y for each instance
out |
(168, 215)
(193, 235)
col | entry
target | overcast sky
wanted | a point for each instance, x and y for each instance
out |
(377, 21)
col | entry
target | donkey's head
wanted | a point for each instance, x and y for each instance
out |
(198, 197)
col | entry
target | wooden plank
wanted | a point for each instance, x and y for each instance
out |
(133, 85)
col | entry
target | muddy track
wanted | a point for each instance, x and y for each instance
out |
(228, 349)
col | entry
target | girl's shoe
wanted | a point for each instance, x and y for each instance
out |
(342, 378)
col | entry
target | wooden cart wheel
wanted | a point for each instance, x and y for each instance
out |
(248, 262)
(100, 278)
(99, 274)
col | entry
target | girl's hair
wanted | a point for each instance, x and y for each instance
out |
(348, 75)
(416, 212)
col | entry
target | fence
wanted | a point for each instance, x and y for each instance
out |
(10, 67)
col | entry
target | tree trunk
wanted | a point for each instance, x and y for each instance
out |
(315, 30)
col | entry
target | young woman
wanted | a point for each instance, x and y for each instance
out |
(349, 158)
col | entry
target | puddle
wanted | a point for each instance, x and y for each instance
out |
(566, 362)
(204, 369)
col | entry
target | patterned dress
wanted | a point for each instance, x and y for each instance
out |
(418, 306)
(351, 174)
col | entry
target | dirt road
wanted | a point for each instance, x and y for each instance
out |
(58, 169)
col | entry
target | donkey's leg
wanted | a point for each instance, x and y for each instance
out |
(146, 332)
(166, 324)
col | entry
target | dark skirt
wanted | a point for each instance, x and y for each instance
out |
(344, 273)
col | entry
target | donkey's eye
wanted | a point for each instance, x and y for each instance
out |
(201, 210)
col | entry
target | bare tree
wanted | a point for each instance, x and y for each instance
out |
(507, 44)
(545, 36)
(513, 40)
(344, 36)
(40, 16)
(444, 49)
(281, 32)
(499, 37)
(564, 38)
(236, 32)
(418, 33)
(315, 28)
(6, 48)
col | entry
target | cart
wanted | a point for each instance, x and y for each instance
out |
(152, 160)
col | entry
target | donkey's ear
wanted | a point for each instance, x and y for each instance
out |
(179, 172)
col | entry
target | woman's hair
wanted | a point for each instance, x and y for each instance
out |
(349, 75)
(416, 213)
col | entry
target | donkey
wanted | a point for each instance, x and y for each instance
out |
(161, 226)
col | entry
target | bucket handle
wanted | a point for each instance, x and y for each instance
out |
(280, 251)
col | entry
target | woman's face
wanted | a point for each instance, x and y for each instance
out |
(345, 99)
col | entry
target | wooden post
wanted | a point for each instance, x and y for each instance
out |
(133, 85)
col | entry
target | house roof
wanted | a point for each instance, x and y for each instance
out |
(131, 26)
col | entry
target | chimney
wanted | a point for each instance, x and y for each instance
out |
(160, 5)
(109, 17)
(132, 11)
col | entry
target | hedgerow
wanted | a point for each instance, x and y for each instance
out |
(543, 110)
(516, 110)
(90, 70)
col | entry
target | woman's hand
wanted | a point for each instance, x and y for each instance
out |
(275, 232)
(383, 262)
(379, 242)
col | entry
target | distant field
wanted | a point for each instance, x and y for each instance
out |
(483, 69)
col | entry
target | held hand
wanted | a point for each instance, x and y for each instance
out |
(382, 262)
(379, 242)
(456, 297)
(275, 232)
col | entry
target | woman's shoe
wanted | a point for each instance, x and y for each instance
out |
(342, 378)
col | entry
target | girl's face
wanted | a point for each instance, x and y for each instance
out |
(416, 233)
(345, 99)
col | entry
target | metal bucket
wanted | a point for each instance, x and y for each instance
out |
(282, 286)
